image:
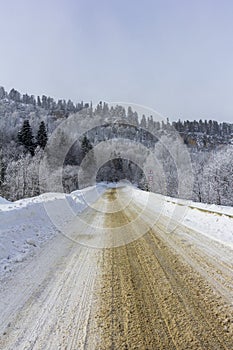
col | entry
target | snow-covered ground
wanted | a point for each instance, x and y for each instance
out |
(26, 225)
(3, 201)
(211, 220)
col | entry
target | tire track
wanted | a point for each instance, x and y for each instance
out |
(160, 291)
(199, 252)
(164, 294)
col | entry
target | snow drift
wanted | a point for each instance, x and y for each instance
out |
(25, 225)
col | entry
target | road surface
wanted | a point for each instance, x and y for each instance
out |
(119, 282)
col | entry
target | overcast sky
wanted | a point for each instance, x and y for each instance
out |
(175, 56)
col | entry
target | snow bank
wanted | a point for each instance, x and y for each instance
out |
(3, 201)
(25, 224)
(211, 220)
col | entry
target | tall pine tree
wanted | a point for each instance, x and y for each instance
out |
(86, 146)
(42, 136)
(25, 137)
(88, 164)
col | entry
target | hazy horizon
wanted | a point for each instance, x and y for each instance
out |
(172, 56)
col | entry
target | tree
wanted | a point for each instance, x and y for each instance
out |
(44, 103)
(86, 146)
(25, 137)
(88, 164)
(38, 101)
(3, 93)
(143, 123)
(14, 95)
(42, 135)
(2, 172)
(217, 182)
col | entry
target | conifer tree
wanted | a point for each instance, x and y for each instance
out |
(86, 146)
(88, 164)
(25, 137)
(2, 171)
(42, 136)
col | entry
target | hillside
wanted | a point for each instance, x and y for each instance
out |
(121, 144)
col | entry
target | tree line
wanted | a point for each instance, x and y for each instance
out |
(25, 127)
(58, 108)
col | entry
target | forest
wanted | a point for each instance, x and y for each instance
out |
(185, 159)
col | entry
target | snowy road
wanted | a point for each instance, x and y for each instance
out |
(126, 284)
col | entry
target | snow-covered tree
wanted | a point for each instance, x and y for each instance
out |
(42, 138)
(25, 137)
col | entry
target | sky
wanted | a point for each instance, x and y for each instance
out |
(174, 56)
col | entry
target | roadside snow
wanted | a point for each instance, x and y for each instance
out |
(25, 225)
(3, 201)
(211, 220)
